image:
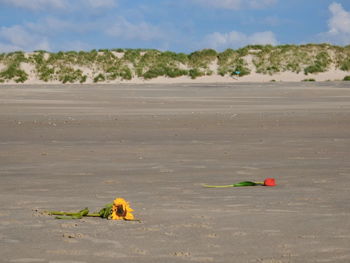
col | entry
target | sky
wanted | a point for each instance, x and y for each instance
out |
(175, 25)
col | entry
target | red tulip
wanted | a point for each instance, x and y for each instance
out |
(269, 182)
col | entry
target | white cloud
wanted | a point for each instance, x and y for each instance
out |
(4, 48)
(38, 34)
(101, 3)
(19, 38)
(338, 26)
(340, 20)
(38, 5)
(237, 39)
(35, 35)
(261, 3)
(126, 30)
(35, 4)
(75, 45)
(236, 4)
(51, 25)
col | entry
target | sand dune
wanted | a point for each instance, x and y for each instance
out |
(286, 63)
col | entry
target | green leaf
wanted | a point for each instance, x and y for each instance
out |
(245, 183)
(109, 205)
(102, 212)
(107, 212)
(84, 212)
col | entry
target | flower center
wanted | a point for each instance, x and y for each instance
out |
(121, 211)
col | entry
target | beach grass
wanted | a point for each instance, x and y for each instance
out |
(126, 64)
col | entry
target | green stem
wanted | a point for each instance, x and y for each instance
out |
(76, 216)
(60, 213)
(218, 186)
(93, 215)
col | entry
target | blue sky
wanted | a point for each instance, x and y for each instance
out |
(176, 25)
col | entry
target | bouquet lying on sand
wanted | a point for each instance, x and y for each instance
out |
(118, 210)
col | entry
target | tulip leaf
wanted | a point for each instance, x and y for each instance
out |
(245, 183)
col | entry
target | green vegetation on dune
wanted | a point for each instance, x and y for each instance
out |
(321, 63)
(309, 58)
(309, 80)
(106, 65)
(343, 58)
(231, 61)
(13, 71)
(154, 63)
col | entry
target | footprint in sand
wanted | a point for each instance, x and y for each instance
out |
(239, 234)
(139, 251)
(110, 182)
(66, 261)
(69, 225)
(67, 252)
(202, 259)
(272, 232)
(73, 235)
(270, 261)
(109, 254)
(181, 254)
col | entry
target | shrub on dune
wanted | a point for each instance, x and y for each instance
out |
(99, 77)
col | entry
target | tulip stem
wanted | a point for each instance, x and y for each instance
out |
(218, 186)
(247, 183)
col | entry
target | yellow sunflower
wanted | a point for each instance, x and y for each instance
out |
(121, 210)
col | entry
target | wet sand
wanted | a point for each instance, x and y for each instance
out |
(68, 147)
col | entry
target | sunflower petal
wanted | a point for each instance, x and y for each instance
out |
(129, 216)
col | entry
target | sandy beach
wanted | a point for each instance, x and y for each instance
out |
(66, 147)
